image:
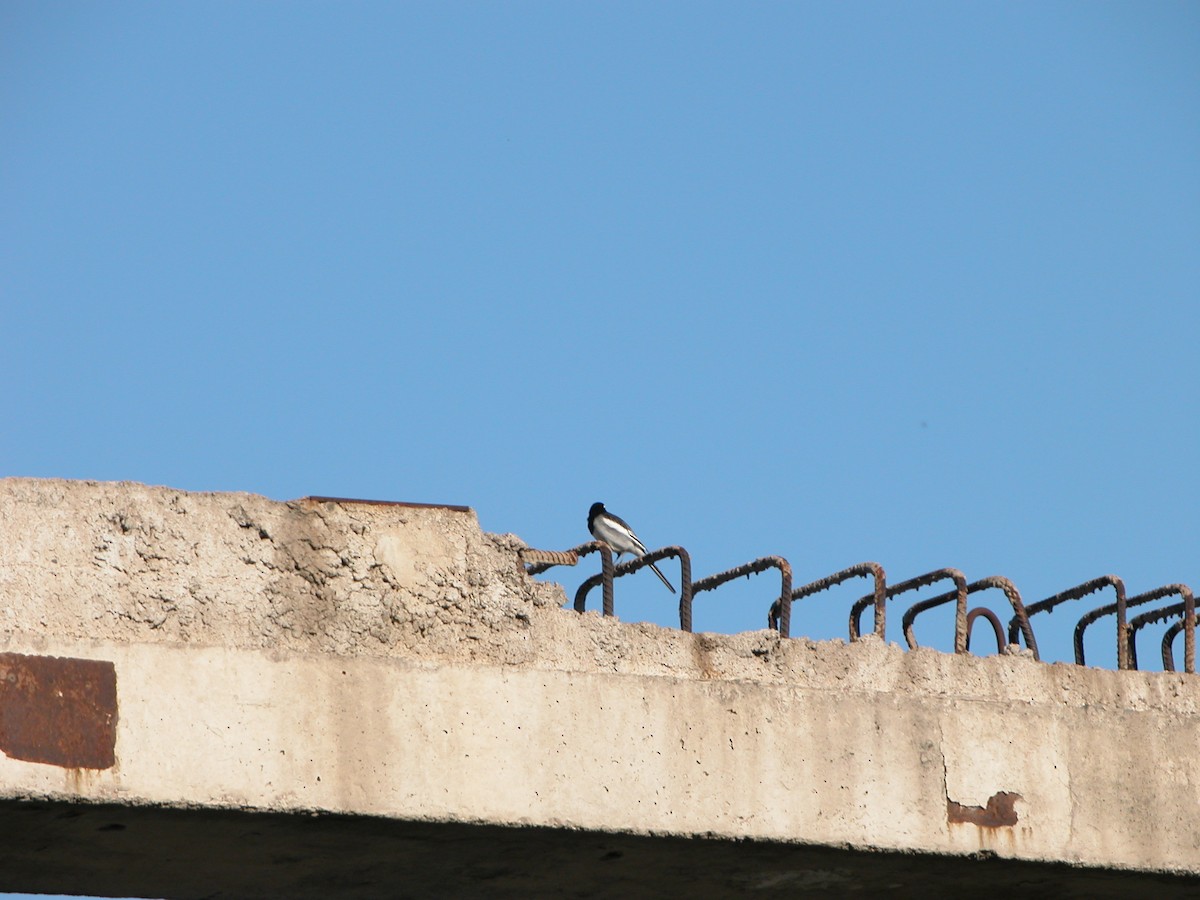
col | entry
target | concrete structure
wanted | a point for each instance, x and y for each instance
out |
(219, 695)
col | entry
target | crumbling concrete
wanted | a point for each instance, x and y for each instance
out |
(395, 662)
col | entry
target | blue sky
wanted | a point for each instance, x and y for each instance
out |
(913, 283)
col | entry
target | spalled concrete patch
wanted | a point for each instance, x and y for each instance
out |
(1000, 811)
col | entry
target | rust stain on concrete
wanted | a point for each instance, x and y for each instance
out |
(58, 711)
(1000, 810)
(354, 500)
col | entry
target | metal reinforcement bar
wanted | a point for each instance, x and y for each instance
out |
(1168, 655)
(962, 619)
(628, 568)
(783, 622)
(997, 627)
(1185, 609)
(1125, 632)
(535, 562)
(540, 561)
(862, 570)
(1075, 593)
(1020, 613)
(959, 595)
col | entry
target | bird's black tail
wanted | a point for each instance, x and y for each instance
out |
(662, 577)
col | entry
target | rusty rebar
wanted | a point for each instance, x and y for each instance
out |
(1187, 623)
(1020, 612)
(1168, 641)
(994, 619)
(544, 560)
(1137, 623)
(633, 565)
(912, 584)
(1185, 609)
(535, 562)
(539, 561)
(1108, 609)
(962, 620)
(1076, 593)
(782, 621)
(862, 570)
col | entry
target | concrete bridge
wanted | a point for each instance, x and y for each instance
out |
(211, 695)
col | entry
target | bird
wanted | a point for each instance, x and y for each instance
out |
(615, 532)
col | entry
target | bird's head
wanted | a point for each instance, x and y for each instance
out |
(596, 509)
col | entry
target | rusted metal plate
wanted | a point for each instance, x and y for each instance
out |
(450, 506)
(1000, 810)
(58, 711)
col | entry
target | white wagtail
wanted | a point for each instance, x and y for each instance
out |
(615, 532)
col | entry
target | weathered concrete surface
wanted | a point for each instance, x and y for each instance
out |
(394, 663)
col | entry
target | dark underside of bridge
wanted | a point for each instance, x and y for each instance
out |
(120, 851)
